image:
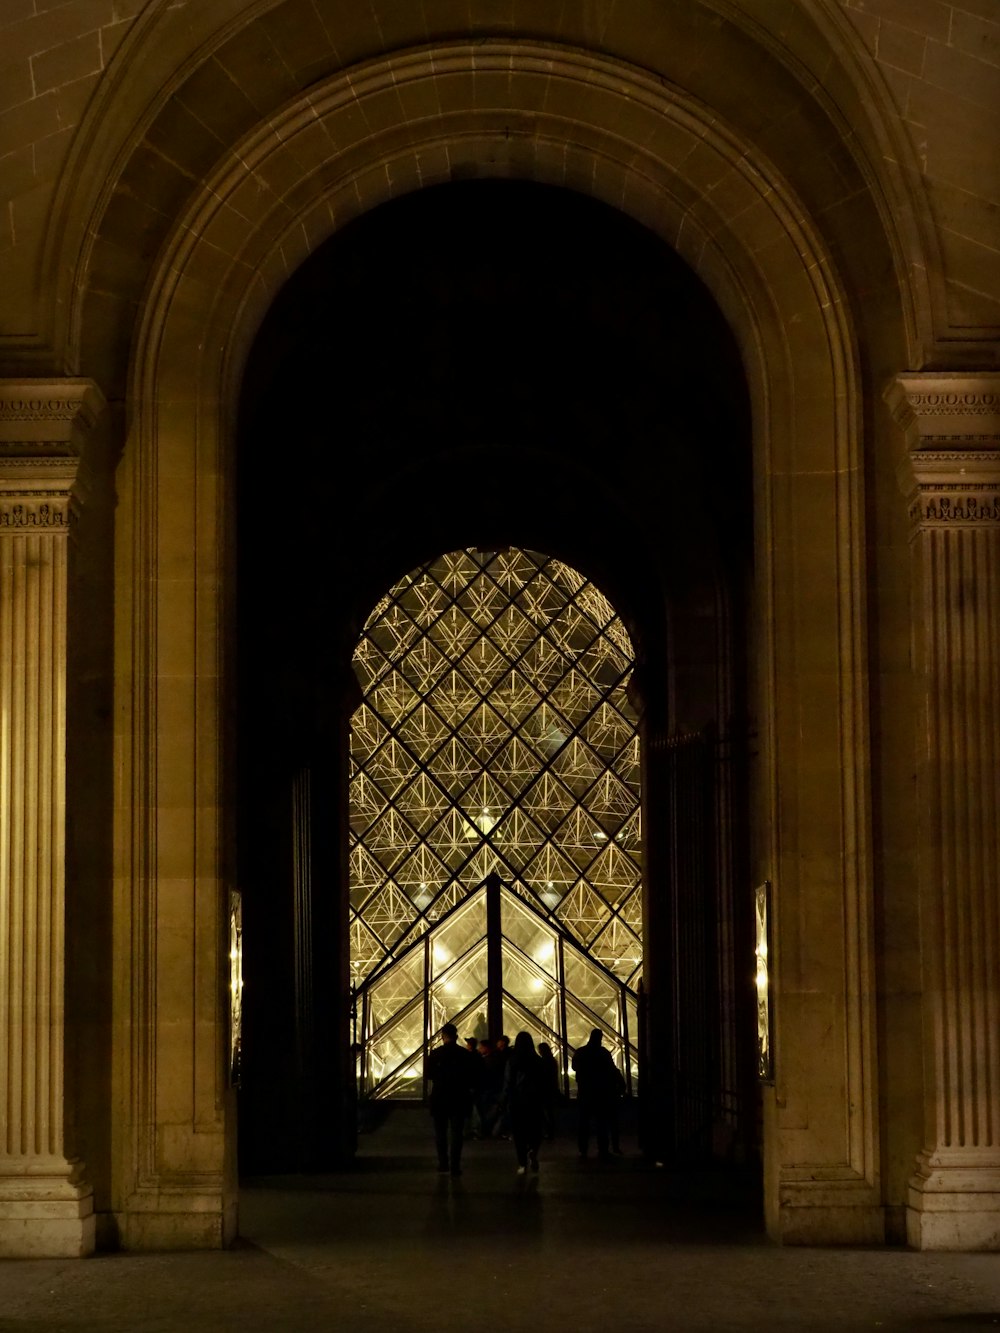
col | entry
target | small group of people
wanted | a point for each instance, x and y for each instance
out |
(490, 1115)
(512, 1091)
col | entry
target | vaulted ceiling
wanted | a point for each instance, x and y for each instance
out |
(876, 111)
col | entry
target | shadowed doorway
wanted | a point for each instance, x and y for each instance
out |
(483, 366)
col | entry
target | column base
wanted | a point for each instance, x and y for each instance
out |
(178, 1220)
(835, 1211)
(954, 1200)
(46, 1210)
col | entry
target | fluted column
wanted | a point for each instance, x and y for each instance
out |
(952, 480)
(46, 1208)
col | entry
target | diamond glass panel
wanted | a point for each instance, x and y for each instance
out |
(495, 737)
(537, 993)
(464, 982)
(393, 1045)
(528, 932)
(393, 991)
(455, 937)
(590, 986)
(618, 949)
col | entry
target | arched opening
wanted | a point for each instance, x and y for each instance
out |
(496, 833)
(479, 366)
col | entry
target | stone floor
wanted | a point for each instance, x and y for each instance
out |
(589, 1247)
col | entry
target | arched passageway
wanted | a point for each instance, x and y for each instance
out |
(201, 160)
(487, 364)
(734, 222)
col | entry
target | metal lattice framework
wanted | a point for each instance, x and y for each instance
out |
(495, 735)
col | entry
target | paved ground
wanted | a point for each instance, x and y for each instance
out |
(582, 1247)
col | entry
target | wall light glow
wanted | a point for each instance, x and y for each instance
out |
(762, 922)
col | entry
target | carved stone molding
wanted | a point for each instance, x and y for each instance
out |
(951, 475)
(938, 410)
(37, 409)
(47, 416)
(948, 489)
(44, 514)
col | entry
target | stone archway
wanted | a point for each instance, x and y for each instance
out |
(518, 110)
(549, 376)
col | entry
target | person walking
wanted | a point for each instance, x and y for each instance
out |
(498, 1072)
(553, 1090)
(524, 1100)
(597, 1085)
(614, 1107)
(453, 1073)
(488, 1093)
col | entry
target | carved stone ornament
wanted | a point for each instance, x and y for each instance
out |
(43, 427)
(953, 490)
(47, 515)
(47, 416)
(38, 409)
(951, 476)
(938, 410)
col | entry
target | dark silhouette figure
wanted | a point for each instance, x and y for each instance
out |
(523, 1100)
(471, 1128)
(497, 1068)
(597, 1089)
(454, 1076)
(614, 1108)
(488, 1092)
(553, 1089)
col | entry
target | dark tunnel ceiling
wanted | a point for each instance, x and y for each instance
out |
(490, 362)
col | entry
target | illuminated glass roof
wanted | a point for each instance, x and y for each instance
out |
(495, 736)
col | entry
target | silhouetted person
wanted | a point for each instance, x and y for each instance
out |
(553, 1089)
(472, 1119)
(454, 1076)
(523, 1100)
(487, 1094)
(614, 1108)
(597, 1084)
(497, 1067)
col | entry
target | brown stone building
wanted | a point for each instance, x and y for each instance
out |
(700, 297)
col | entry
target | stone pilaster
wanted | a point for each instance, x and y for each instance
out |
(46, 1207)
(952, 482)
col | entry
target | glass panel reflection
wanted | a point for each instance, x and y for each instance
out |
(456, 935)
(529, 932)
(396, 989)
(390, 1047)
(592, 987)
(463, 981)
(531, 989)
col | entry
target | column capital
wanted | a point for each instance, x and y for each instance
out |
(951, 473)
(952, 490)
(47, 418)
(942, 411)
(44, 426)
